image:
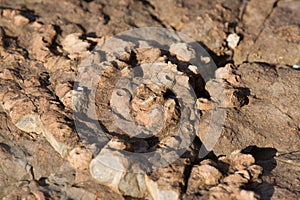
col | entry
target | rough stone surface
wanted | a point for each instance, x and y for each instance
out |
(254, 43)
(271, 110)
(168, 186)
(226, 178)
(201, 176)
(279, 27)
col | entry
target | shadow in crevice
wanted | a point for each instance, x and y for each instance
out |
(29, 14)
(246, 91)
(11, 43)
(220, 60)
(264, 157)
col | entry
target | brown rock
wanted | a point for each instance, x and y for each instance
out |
(266, 117)
(202, 176)
(236, 179)
(228, 192)
(20, 20)
(238, 161)
(167, 186)
(42, 43)
(75, 46)
(277, 29)
(80, 158)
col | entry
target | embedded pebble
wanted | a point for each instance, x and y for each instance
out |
(296, 66)
(233, 40)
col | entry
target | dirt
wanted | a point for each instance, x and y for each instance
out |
(48, 151)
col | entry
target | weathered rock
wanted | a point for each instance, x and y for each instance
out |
(42, 39)
(225, 95)
(228, 192)
(74, 46)
(86, 190)
(20, 20)
(227, 73)
(134, 185)
(281, 177)
(41, 44)
(167, 186)
(268, 90)
(20, 170)
(238, 161)
(113, 168)
(202, 176)
(236, 179)
(80, 158)
(238, 172)
(277, 29)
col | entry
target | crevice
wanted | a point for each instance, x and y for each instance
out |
(29, 14)
(11, 44)
(243, 9)
(186, 174)
(155, 18)
(85, 36)
(263, 26)
(265, 20)
(219, 60)
(147, 4)
(106, 18)
(53, 46)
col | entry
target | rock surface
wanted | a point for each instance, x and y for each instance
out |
(271, 110)
(255, 91)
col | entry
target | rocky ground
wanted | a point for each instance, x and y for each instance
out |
(255, 45)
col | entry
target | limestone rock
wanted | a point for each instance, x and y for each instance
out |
(265, 91)
(113, 168)
(80, 158)
(279, 30)
(44, 156)
(227, 192)
(202, 176)
(75, 46)
(20, 20)
(167, 186)
(238, 161)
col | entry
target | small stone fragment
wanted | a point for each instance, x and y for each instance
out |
(108, 176)
(255, 171)
(233, 40)
(201, 176)
(227, 73)
(148, 55)
(75, 46)
(80, 158)
(296, 67)
(20, 20)
(114, 169)
(133, 184)
(235, 179)
(225, 192)
(167, 186)
(205, 104)
(238, 161)
(182, 51)
(224, 94)
(194, 69)
(205, 59)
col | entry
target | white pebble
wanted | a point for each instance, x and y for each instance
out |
(80, 88)
(233, 40)
(296, 66)
(194, 69)
(205, 59)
